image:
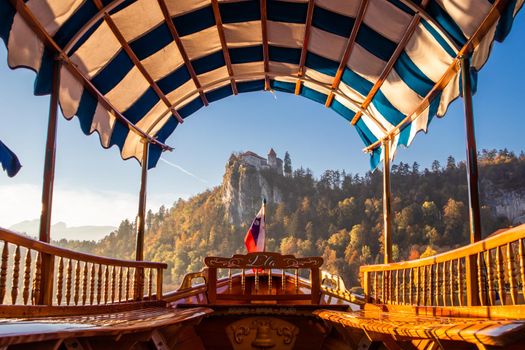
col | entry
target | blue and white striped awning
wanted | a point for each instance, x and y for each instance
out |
(134, 69)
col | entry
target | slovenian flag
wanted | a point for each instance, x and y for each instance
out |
(255, 236)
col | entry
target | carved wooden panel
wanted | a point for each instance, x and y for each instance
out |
(264, 260)
(262, 333)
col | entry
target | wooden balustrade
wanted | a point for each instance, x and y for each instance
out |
(77, 279)
(487, 273)
(257, 271)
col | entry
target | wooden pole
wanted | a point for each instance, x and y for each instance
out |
(46, 284)
(139, 253)
(472, 155)
(387, 210)
(141, 223)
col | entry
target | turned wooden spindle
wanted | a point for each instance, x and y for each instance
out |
(85, 283)
(460, 283)
(27, 277)
(500, 274)
(99, 284)
(92, 283)
(404, 287)
(513, 286)
(490, 279)
(269, 281)
(69, 281)
(418, 284)
(120, 276)
(256, 280)
(296, 280)
(150, 283)
(444, 281)
(230, 282)
(113, 283)
(383, 287)
(76, 298)
(481, 282)
(376, 292)
(436, 287)
(451, 282)
(243, 281)
(16, 275)
(410, 282)
(127, 284)
(37, 278)
(435, 276)
(3, 272)
(432, 290)
(521, 251)
(106, 284)
(60, 280)
(283, 281)
(396, 288)
(424, 285)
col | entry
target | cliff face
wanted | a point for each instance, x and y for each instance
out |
(510, 205)
(243, 188)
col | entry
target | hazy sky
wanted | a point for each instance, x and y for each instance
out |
(94, 186)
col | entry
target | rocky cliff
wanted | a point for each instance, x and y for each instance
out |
(243, 188)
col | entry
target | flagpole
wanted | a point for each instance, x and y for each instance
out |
(264, 218)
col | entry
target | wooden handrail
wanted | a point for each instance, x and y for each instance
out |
(486, 273)
(493, 242)
(27, 242)
(76, 278)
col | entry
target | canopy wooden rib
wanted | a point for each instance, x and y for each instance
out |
(389, 66)
(181, 48)
(39, 30)
(266, 54)
(226, 53)
(262, 75)
(491, 18)
(306, 40)
(136, 61)
(348, 50)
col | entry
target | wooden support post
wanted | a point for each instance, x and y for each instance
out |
(46, 282)
(472, 155)
(141, 223)
(387, 210)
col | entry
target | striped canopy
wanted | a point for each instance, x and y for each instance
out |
(132, 70)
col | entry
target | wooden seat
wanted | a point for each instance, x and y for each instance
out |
(50, 332)
(390, 327)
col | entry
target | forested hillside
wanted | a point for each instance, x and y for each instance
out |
(337, 216)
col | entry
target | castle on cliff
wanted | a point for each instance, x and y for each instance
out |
(252, 159)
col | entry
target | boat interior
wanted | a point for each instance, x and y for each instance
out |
(133, 70)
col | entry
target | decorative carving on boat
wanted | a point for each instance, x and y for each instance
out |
(262, 333)
(264, 260)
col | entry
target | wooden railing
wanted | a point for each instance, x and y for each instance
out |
(72, 278)
(260, 270)
(334, 286)
(487, 273)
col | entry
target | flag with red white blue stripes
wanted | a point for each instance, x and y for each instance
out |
(254, 239)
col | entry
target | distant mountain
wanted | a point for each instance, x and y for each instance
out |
(60, 230)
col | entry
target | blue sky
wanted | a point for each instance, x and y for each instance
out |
(94, 186)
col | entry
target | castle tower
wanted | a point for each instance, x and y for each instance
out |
(272, 159)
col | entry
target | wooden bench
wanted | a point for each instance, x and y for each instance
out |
(397, 329)
(118, 330)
